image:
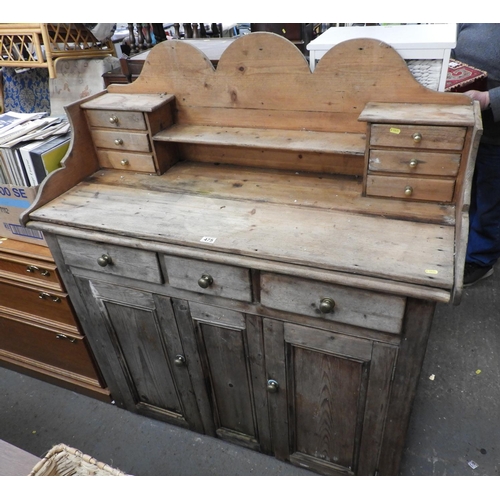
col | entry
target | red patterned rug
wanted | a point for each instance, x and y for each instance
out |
(462, 77)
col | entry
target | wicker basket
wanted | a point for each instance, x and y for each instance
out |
(63, 460)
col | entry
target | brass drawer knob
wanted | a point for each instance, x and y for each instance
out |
(124, 162)
(179, 360)
(45, 295)
(417, 137)
(326, 305)
(205, 281)
(104, 260)
(119, 142)
(272, 386)
(408, 191)
(413, 163)
(113, 119)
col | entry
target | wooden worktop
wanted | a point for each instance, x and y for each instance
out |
(287, 217)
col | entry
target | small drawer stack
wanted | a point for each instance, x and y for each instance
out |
(122, 129)
(39, 332)
(415, 155)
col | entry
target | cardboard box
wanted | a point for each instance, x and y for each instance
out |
(14, 200)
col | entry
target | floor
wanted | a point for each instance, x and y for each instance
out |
(454, 428)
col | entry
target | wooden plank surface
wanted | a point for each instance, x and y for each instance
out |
(362, 244)
(291, 140)
(428, 114)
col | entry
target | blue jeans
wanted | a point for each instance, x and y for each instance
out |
(484, 215)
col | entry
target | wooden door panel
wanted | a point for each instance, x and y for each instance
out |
(141, 344)
(332, 398)
(230, 347)
(226, 358)
(143, 338)
(327, 405)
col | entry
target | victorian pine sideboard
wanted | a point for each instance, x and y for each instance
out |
(256, 251)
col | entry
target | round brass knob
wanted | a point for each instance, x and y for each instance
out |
(326, 305)
(408, 191)
(417, 136)
(413, 163)
(272, 386)
(104, 260)
(118, 142)
(205, 281)
(124, 162)
(113, 119)
(179, 360)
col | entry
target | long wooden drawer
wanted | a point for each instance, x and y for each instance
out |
(414, 162)
(133, 120)
(30, 271)
(54, 306)
(348, 305)
(111, 259)
(125, 160)
(410, 188)
(209, 278)
(418, 136)
(54, 349)
(121, 140)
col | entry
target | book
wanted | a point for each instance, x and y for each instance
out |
(24, 152)
(47, 157)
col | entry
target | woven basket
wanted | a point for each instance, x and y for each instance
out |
(63, 460)
(427, 72)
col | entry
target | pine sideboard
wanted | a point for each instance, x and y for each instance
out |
(256, 251)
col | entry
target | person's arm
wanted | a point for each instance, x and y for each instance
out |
(487, 99)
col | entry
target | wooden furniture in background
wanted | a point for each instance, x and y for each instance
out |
(39, 332)
(425, 47)
(300, 34)
(259, 290)
(131, 67)
(40, 45)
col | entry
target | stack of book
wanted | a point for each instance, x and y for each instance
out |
(31, 146)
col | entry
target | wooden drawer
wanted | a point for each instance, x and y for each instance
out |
(352, 306)
(220, 280)
(37, 302)
(46, 346)
(30, 271)
(121, 261)
(414, 162)
(133, 120)
(125, 160)
(403, 136)
(410, 188)
(121, 140)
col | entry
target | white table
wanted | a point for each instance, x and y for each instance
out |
(412, 42)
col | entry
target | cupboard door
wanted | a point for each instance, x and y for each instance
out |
(231, 361)
(328, 404)
(141, 339)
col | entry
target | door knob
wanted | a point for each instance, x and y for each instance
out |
(272, 386)
(205, 281)
(326, 305)
(104, 260)
(179, 360)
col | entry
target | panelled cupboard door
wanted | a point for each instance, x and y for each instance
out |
(330, 397)
(232, 384)
(142, 347)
